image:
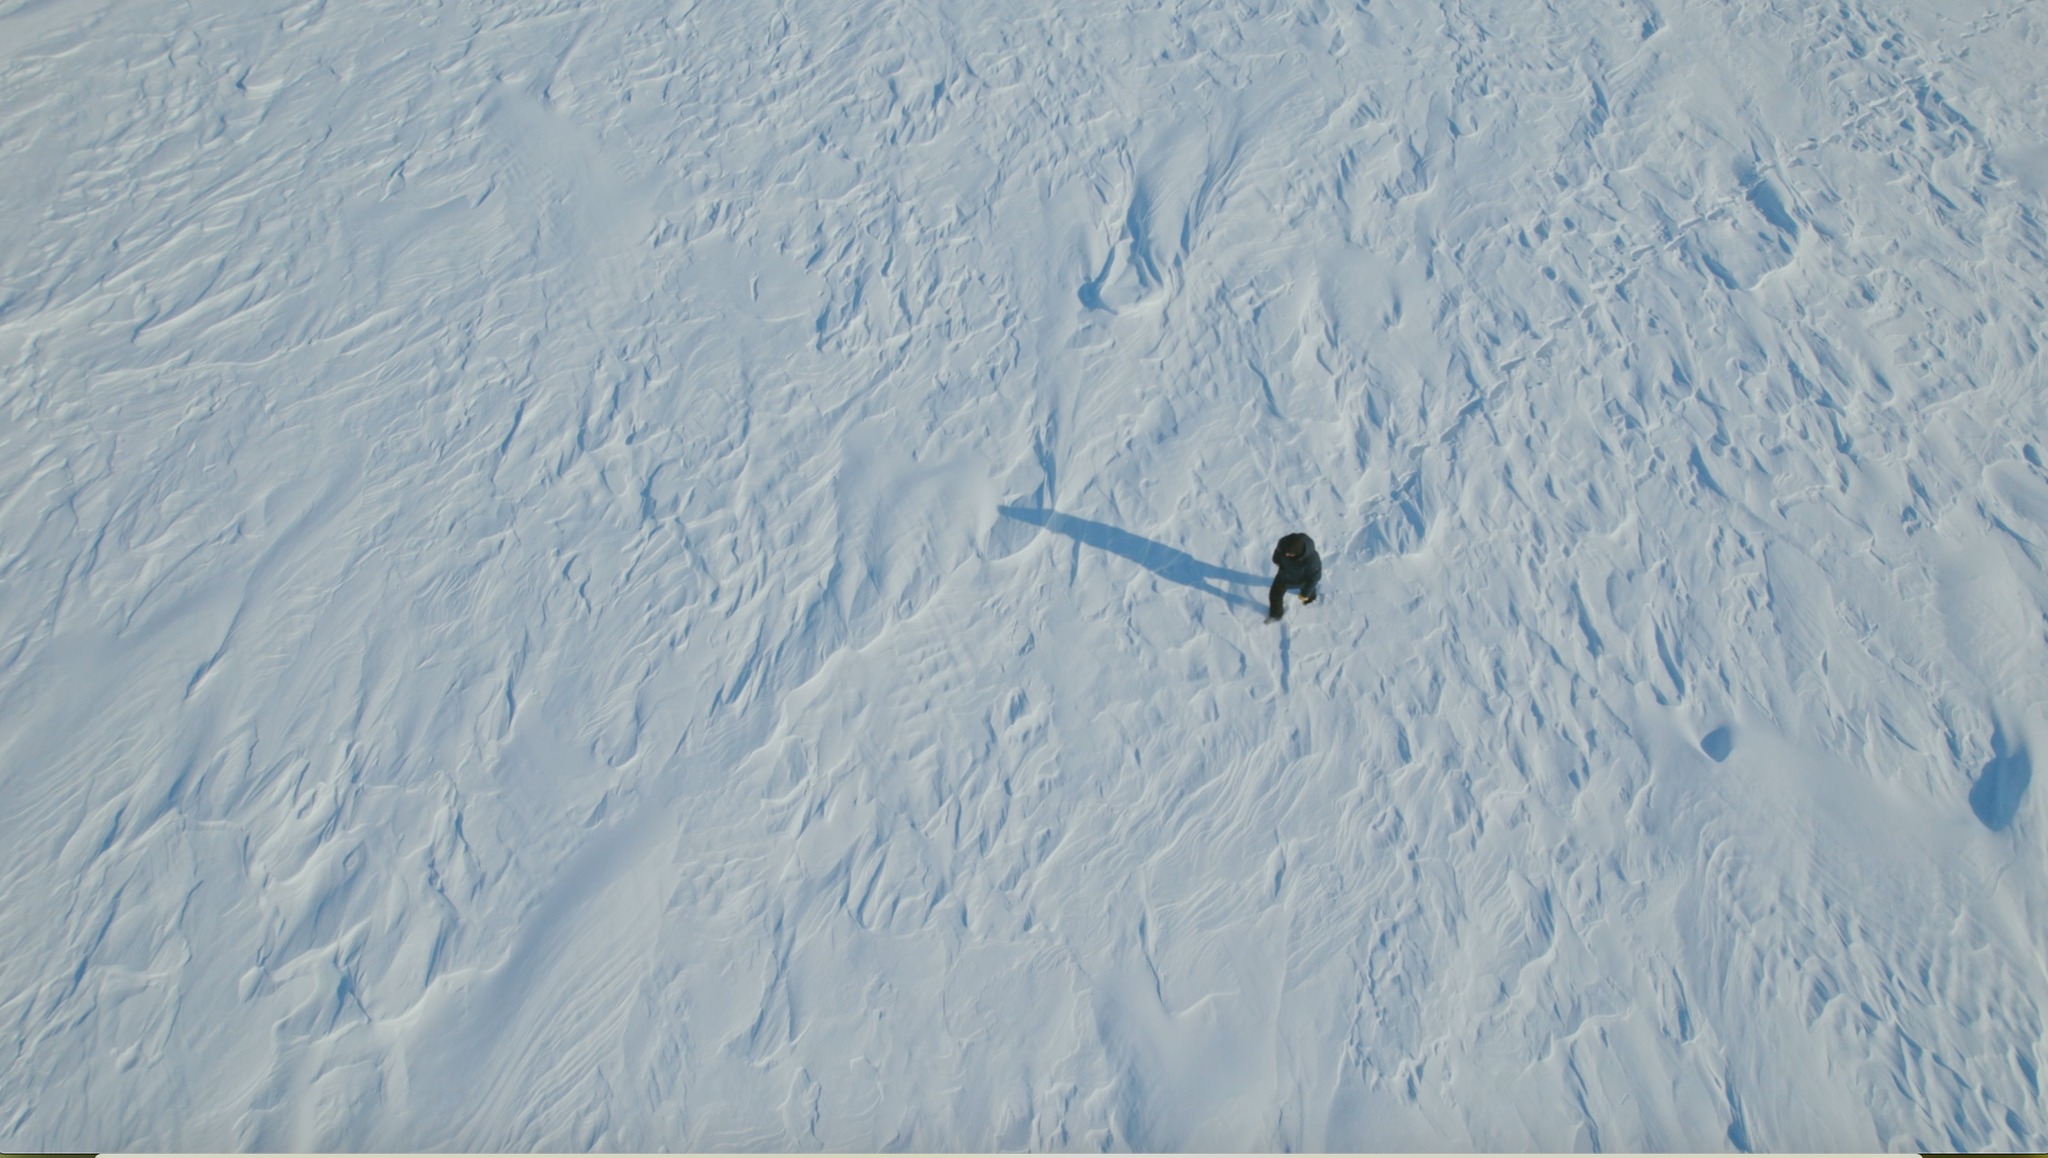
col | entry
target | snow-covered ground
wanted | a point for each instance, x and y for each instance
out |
(652, 575)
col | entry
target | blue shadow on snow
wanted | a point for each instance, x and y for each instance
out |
(1996, 795)
(1175, 566)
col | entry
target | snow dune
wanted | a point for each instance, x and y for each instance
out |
(655, 576)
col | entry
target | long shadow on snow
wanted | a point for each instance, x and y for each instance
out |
(1177, 566)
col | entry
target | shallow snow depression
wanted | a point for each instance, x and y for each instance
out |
(689, 577)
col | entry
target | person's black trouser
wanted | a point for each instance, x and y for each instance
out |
(1308, 592)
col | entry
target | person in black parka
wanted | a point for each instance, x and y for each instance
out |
(1300, 566)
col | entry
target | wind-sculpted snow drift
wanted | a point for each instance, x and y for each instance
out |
(669, 576)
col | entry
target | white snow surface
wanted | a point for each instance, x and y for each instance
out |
(646, 575)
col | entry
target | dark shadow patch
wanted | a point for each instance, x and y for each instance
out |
(1764, 196)
(1996, 795)
(1718, 743)
(1284, 664)
(1162, 560)
(1703, 475)
(1720, 272)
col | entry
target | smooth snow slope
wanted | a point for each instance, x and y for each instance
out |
(645, 575)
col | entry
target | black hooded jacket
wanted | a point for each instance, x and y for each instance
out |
(1302, 571)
